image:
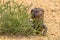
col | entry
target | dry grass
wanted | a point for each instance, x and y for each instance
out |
(51, 19)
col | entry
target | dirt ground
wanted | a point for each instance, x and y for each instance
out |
(51, 19)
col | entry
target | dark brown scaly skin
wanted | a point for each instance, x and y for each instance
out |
(37, 15)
